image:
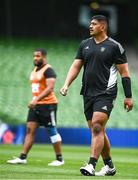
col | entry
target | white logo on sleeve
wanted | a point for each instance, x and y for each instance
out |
(87, 47)
(104, 108)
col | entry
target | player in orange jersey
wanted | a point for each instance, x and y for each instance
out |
(42, 108)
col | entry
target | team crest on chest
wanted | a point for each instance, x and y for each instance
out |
(102, 49)
(87, 47)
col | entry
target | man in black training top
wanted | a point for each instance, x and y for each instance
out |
(101, 57)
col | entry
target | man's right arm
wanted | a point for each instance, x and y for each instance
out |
(72, 74)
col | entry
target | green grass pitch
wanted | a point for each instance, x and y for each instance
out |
(126, 162)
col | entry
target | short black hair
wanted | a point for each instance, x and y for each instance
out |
(43, 51)
(100, 18)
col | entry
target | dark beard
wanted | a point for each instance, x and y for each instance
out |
(39, 64)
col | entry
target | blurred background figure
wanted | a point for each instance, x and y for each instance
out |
(6, 135)
(42, 108)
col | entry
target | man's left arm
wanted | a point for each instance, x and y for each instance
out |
(126, 82)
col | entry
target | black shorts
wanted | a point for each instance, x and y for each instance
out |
(101, 103)
(43, 114)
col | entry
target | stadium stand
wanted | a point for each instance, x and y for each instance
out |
(15, 66)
